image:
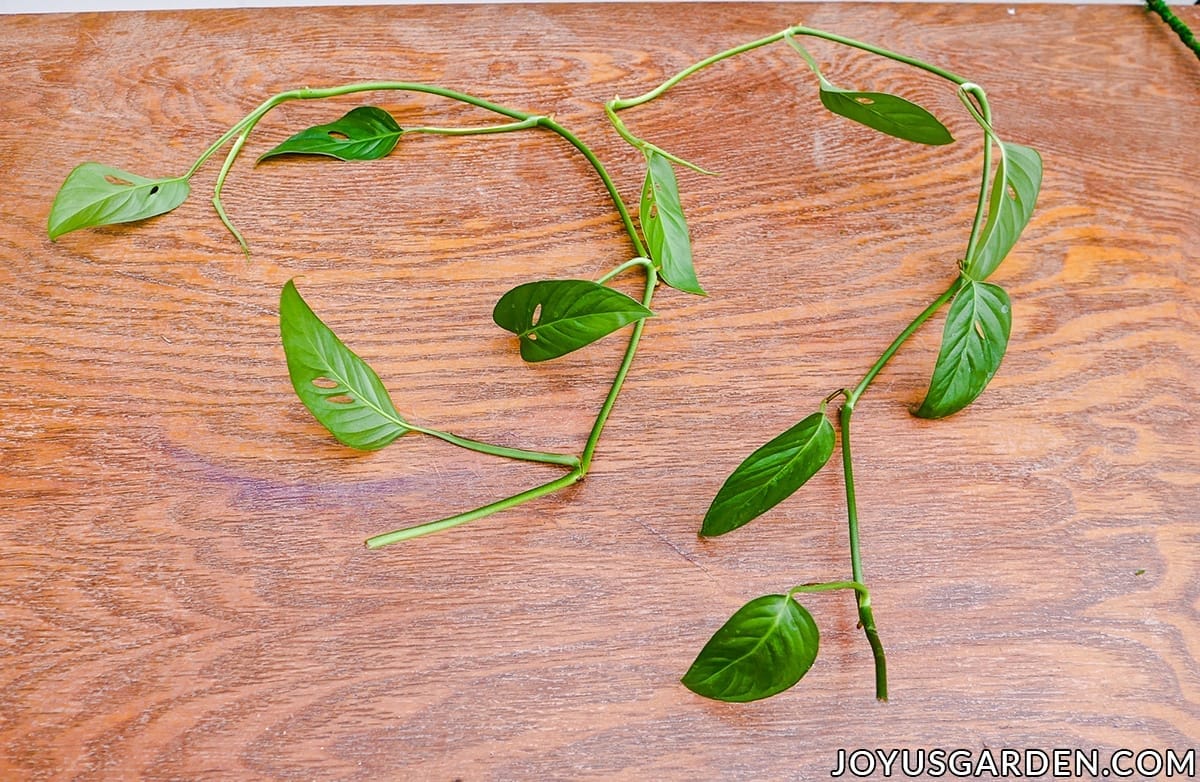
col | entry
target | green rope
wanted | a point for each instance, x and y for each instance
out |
(1175, 23)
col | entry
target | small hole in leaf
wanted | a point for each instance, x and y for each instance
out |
(337, 134)
(116, 180)
(324, 382)
(340, 399)
(979, 330)
(532, 337)
(537, 314)
(1012, 193)
(864, 100)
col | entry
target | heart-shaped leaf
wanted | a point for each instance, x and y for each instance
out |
(764, 648)
(770, 475)
(665, 228)
(95, 194)
(364, 133)
(337, 386)
(886, 113)
(1014, 194)
(554, 317)
(973, 345)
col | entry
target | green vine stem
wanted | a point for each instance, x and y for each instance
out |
(1175, 23)
(522, 120)
(975, 100)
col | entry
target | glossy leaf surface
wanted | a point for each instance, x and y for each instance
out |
(665, 228)
(973, 344)
(1018, 179)
(95, 194)
(337, 386)
(764, 648)
(770, 475)
(364, 133)
(886, 113)
(554, 317)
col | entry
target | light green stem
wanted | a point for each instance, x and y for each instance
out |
(618, 104)
(865, 615)
(981, 112)
(462, 518)
(564, 460)
(626, 361)
(901, 338)
(866, 618)
(828, 586)
(507, 127)
(524, 119)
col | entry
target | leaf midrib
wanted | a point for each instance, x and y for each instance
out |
(359, 396)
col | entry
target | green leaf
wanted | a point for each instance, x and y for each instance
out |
(1014, 194)
(337, 387)
(973, 344)
(554, 317)
(770, 475)
(886, 113)
(665, 227)
(764, 648)
(364, 133)
(94, 194)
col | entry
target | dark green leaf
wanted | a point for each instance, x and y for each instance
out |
(337, 386)
(94, 194)
(1014, 194)
(365, 133)
(770, 475)
(555, 317)
(764, 648)
(665, 227)
(886, 113)
(973, 344)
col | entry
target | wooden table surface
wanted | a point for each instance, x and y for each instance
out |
(184, 593)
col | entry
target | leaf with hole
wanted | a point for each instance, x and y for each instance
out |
(338, 388)
(554, 317)
(770, 475)
(665, 228)
(886, 113)
(94, 194)
(973, 344)
(364, 133)
(1018, 179)
(765, 648)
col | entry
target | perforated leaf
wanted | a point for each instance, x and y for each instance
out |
(94, 194)
(554, 317)
(337, 387)
(364, 133)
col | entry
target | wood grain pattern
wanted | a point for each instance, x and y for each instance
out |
(183, 589)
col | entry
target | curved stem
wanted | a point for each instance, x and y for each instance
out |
(216, 198)
(1175, 23)
(508, 127)
(524, 120)
(866, 618)
(878, 50)
(614, 391)
(982, 114)
(564, 460)
(602, 172)
(379, 541)
(901, 338)
(618, 104)
(829, 586)
(645, 263)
